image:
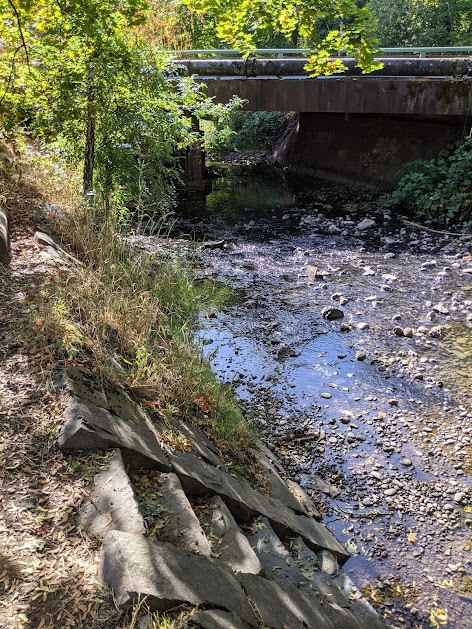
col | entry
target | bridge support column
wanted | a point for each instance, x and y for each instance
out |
(194, 162)
(363, 148)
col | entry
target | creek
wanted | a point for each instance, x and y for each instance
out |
(370, 412)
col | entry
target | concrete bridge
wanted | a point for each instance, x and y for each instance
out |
(352, 127)
(406, 85)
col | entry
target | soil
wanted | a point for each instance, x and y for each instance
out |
(48, 567)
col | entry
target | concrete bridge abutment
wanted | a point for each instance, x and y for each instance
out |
(367, 149)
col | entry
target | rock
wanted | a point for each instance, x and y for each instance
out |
(180, 525)
(281, 607)
(363, 611)
(398, 331)
(327, 562)
(111, 505)
(229, 544)
(217, 619)
(408, 332)
(5, 253)
(363, 326)
(406, 462)
(422, 330)
(314, 273)
(391, 491)
(367, 223)
(325, 395)
(165, 577)
(56, 252)
(435, 331)
(441, 308)
(89, 427)
(276, 562)
(244, 502)
(367, 502)
(303, 498)
(277, 486)
(332, 229)
(459, 496)
(331, 313)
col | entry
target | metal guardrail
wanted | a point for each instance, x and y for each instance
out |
(280, 53)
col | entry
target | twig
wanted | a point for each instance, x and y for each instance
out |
(436, 231)
(20, 29)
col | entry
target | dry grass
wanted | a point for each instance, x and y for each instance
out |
(129, 318)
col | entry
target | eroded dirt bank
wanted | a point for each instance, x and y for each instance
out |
(370, 411)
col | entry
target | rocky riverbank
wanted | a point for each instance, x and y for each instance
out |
(369, 408)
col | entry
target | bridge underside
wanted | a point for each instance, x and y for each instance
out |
(352, 127)
(363, 149)
(428, 96)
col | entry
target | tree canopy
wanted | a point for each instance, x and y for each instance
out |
(423, 22)
(350, 27)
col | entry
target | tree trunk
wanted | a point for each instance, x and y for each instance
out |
(89, 158)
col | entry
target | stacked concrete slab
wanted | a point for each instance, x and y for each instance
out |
(4, 237)
(208, 539)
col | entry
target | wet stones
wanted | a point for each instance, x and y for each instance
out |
(332, 314)
(441, 308)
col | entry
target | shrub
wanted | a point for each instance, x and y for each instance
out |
(439, 189)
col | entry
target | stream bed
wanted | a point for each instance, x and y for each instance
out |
(350, 346)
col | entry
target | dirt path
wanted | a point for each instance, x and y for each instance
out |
(47, 566)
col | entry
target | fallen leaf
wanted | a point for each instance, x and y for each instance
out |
(412, 537)
(438, 617)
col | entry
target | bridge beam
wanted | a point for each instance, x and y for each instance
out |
(393, 66)
(427, 96)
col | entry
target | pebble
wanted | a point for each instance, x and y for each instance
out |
(363, 326)
(325, 395)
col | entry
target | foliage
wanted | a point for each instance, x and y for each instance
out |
(171, 26)
(81, 76)
(239, 24)
(423, 22)
(246, 131)
(440, 188)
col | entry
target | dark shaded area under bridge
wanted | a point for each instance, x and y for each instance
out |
(352, 127)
